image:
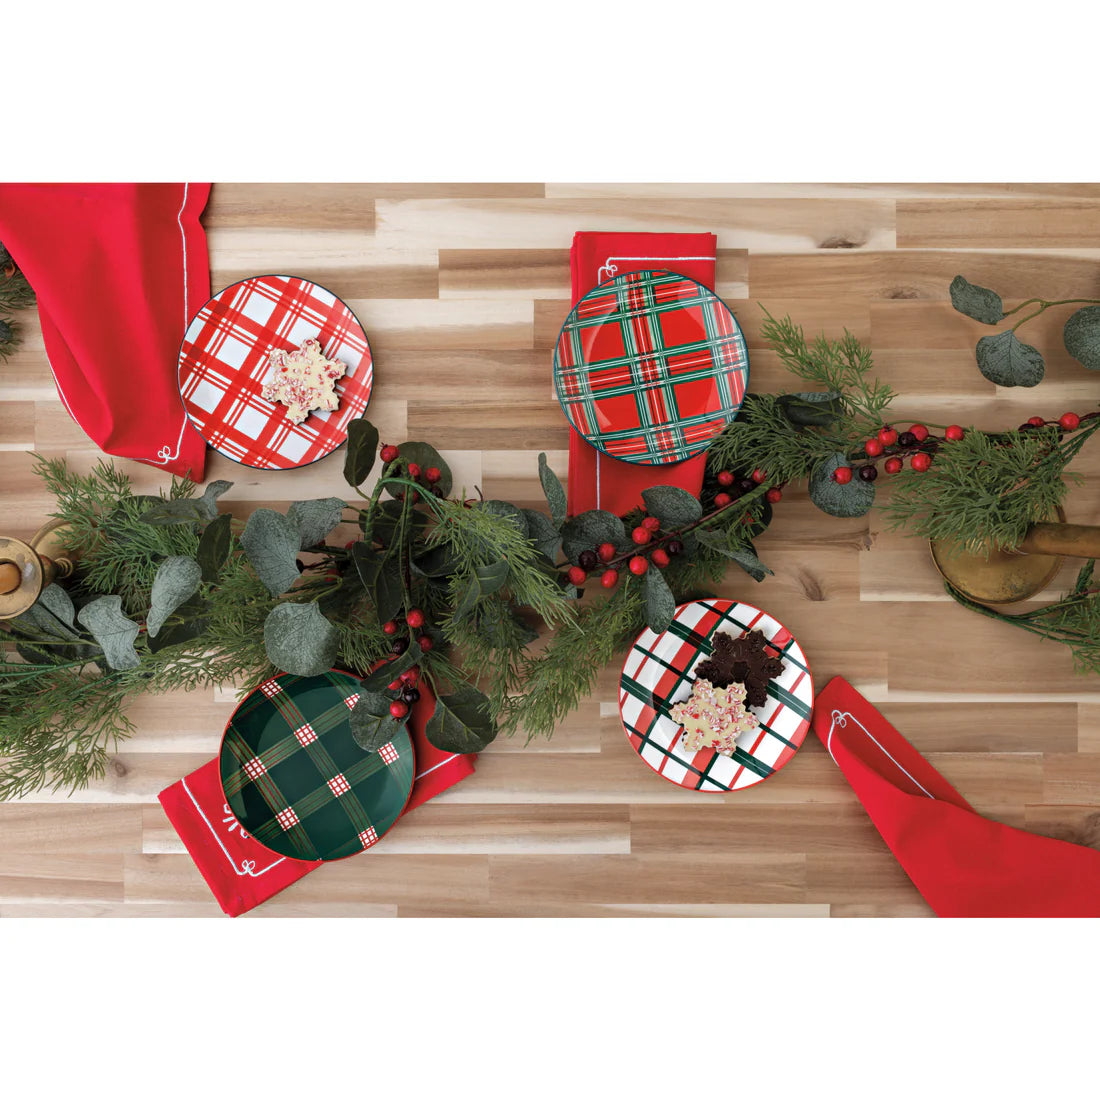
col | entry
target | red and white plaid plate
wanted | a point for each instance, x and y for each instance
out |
(658, 673)
(223, 363)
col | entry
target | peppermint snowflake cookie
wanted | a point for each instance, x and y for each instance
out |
(303, 380)
(713, 718)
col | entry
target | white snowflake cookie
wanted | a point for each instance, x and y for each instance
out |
(713, 718)
(303, 380)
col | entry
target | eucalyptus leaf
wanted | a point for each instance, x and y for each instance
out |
(112, 630)
(1007, 361)
(812, 410)
(381, 577)
(588, 530)
(389, 671)
(208, 502)
(660, 603)
(542, 533)
(387, 516)
(300, 640)
(485, 580)
(439, 561)
(673, 506)
(425, 456)
(853, 499)
(214, 546)
(271, 541)
(372, 725)
(57, 601)
(168, 512)
(744, 556)
(977, 302)
(555, 494)
(506, 511)
(315, 519)
(362, 449)
(461, 722)
(176, 633)
(1082, 336)
(177, 580)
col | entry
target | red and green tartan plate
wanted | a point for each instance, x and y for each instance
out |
(658, 673)
(650, 367)
(296, 780)
(223, 363)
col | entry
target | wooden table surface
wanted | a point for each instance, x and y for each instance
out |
(461, 289)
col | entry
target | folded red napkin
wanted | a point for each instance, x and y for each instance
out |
(240, 871)
(963, 864)
(596, 481)
(118, 270)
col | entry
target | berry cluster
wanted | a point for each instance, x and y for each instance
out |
(734, 487)
(661, 548)
(414, 620)
(409, 692)
(413, 471)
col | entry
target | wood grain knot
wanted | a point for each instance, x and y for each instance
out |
(842, 241)
(901, 293)
(811, 587)
(119, 768)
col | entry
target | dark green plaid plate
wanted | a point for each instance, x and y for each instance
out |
(298, 782)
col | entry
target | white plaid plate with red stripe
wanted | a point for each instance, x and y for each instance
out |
(659, 672)
(223, 364)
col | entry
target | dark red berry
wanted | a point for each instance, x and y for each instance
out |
(651, 524)
(842, 475)
(577, 575)
(1027, 426)
(906, 439)
(954, 433)
(759, 475)
(746, 485)
(892, 465)
(722, 499)
(659, 558)
(389, 628)
(389, 453)
(773, 496)
(920, 431)
(399, 645)
(873, 448)
(415, 618)
(920, 461)
(641, 535)
(638, 565)
(675, 547)
(887, 436)
(1070, 421)
(586, 559)
(432, 475)
(606, 551)
(610, 578)
(868, 473)
(399, 709)
(411, 695)
(425, 642)
(725, 478)
(414, 470)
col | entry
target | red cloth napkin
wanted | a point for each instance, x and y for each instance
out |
(963, 864)
(118, 269)
(596, 481)
(240, 871)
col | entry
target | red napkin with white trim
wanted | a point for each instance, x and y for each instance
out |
(963, 864)
(596, 481)
(118, 269)
(240, 871)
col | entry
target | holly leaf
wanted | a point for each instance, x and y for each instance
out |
(1007, 361)
(811, 410)
(853, 499)
(214, 545)
(176, 581)
(461, 722)
(588, 530)
(300, 640)
(660, 603)
(424, 455)
(167, 512)
(197, 620)
(555, 494)
(484, 580)
(362, 449)
(977, 302)
(542, 533)
(372, 725)
(315, 519)
(673, 506)
(1081, 336)
(112, 630)
(208, 502)
(381, 577)
(271, 541)
(745, 556)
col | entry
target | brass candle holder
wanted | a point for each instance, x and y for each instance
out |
(1011, 574)
(28, 567)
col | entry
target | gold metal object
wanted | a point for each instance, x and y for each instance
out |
(28, 567)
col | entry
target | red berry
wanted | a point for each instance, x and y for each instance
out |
(411, 675)
(842, 475)
(774, 496)
(651, 523)
(1036, 421)
(577, 575)
(660, 558)
(425, 643)
(415, 618)
(389, 628)
(892, 465)
(1070, 421)
(722, 499)
(399, 709)
(605, 552)
(954, 433)
(414, 470)
(759, 475)
(920, 431)
(389, 452)
(887, 436)
(638, 565)
(726, 478)
(641, 535)
(609, 579)
(432, 474)
(394, 685)
(920, 461)
(873, 448)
